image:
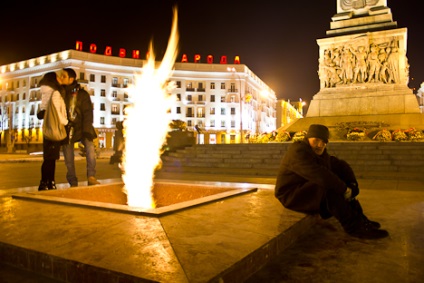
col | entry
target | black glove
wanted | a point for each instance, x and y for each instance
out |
(40, 114)
(355, 189)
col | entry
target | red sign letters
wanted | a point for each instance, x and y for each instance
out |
(136, 54)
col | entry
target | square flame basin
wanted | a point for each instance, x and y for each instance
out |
(169, 197)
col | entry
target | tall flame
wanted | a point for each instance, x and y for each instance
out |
(147, 123)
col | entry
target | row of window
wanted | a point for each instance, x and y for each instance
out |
(114, 120)
(189, 111)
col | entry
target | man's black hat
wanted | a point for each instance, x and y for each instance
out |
(318, 131)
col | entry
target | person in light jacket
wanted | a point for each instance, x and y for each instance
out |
(50, 87)
(312, 181)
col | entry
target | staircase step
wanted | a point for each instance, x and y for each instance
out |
(391, 160)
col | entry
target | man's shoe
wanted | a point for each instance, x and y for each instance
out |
(365, 231)
(373, 224)
(356, 206)
(92, 181)
(43, 186)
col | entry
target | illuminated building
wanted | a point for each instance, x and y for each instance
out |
(208, 96)
(288, 112)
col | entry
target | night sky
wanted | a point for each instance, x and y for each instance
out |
(275, 39)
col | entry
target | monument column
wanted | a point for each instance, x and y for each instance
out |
(363, 67)
(364, 72)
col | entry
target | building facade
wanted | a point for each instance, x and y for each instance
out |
(288, 112)
(221, 103)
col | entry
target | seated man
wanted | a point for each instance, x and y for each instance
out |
(311, 181)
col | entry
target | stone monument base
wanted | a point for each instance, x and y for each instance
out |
(363, 99)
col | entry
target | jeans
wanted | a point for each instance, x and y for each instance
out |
(69, 156)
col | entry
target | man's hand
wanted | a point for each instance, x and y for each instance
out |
(355, 189)
(70, 124)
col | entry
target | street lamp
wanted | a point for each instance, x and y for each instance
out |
(240, 100)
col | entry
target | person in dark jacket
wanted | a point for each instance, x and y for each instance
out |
(80, 116)
(119, 143)
(312, 181)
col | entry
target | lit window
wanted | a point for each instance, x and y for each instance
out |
(115, 109)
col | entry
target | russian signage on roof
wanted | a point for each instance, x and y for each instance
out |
(135, 54)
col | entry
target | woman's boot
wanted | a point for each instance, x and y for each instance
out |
(43, 186)
(51, 185)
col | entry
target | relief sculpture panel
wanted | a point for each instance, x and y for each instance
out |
(362, 61)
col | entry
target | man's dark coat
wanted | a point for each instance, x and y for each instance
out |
(83, 122)
(305, 177)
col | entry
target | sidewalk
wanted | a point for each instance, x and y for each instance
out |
(38, 156)
(219, 240)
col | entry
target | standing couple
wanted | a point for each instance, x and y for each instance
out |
(75, 111)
